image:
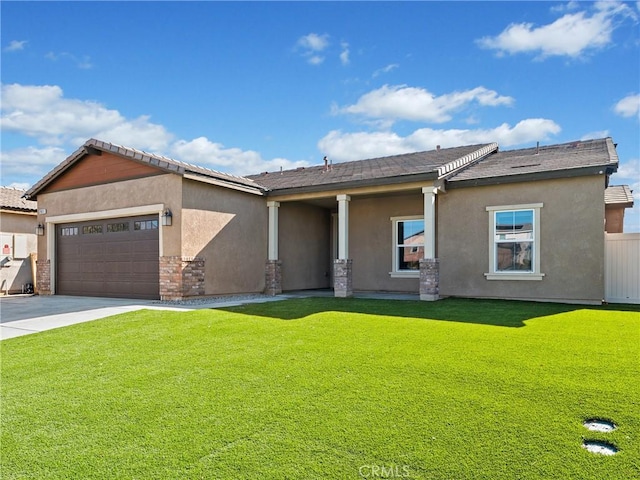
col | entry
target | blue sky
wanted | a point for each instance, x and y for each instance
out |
(245, 87)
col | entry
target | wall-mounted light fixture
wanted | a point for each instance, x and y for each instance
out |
(40, 230)
(166, 218)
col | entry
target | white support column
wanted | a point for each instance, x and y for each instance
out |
(273, 230)
(429, 221)
(343, 266)
(343, 226)
(429, 265)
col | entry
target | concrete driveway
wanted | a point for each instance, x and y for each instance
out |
(24, 314)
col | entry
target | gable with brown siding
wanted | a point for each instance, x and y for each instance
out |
(98, 169)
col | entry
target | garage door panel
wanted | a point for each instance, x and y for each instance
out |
(121, 268)
(92, 250)
(119, 250)
(110, 258)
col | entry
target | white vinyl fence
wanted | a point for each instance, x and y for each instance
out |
(622, 267)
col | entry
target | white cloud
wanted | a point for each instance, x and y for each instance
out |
(20, 185)
(596, 134)
(573, 35)
(43, 113)
(386, 69)
(202, 151)
(31, 161)
(138, 132)
(629, 106)
(312, 45)
(629, 174)
(343, 147)
(314, 42)
(83, 62)
(572, 5)
(15, 46)
(315, 59)
(401, 102)
(630, 169)
(344, 55)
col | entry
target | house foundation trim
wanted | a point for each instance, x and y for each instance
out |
(343, 278)
(429, 279)
(181, 277)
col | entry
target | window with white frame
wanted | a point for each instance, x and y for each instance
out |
(408, 245)
(514, 242)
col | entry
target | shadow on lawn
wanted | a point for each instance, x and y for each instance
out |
(504, 313)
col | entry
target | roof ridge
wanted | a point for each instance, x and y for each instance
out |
(160, 161)
(371, 159)
(611, 148)
(451, 168)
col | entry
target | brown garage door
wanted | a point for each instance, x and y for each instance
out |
(109, 258)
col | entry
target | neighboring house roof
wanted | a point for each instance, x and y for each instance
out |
(618, 196)
(11, 199)
(537, 163)
(376, 171)
(169, 165)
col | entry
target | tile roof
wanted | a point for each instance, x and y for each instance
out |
(11, 199)
(618, 195)
(398, 167)
(164, 163)
(458, 166)
(542, 161)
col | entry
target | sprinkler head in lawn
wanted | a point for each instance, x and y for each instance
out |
(599, 425)
(599, 447)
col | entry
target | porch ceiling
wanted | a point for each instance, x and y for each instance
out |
(328, 198)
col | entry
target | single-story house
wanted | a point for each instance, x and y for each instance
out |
(469, 221)
(18, 225)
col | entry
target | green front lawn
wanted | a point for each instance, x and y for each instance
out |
(326, 388)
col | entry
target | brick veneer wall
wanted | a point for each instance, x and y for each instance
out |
(273, 277)
(343, 278)
(181, 277)
(429, 279)
(43, 277)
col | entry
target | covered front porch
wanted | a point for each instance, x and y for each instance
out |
(360, 240)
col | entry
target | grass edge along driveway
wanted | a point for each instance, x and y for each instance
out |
(326, 388)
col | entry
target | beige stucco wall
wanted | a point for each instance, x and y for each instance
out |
(157, 190)
(227, 228)
(16, 272)
(571, 243)
(371, 240)
(18, 222)
(304, 246)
